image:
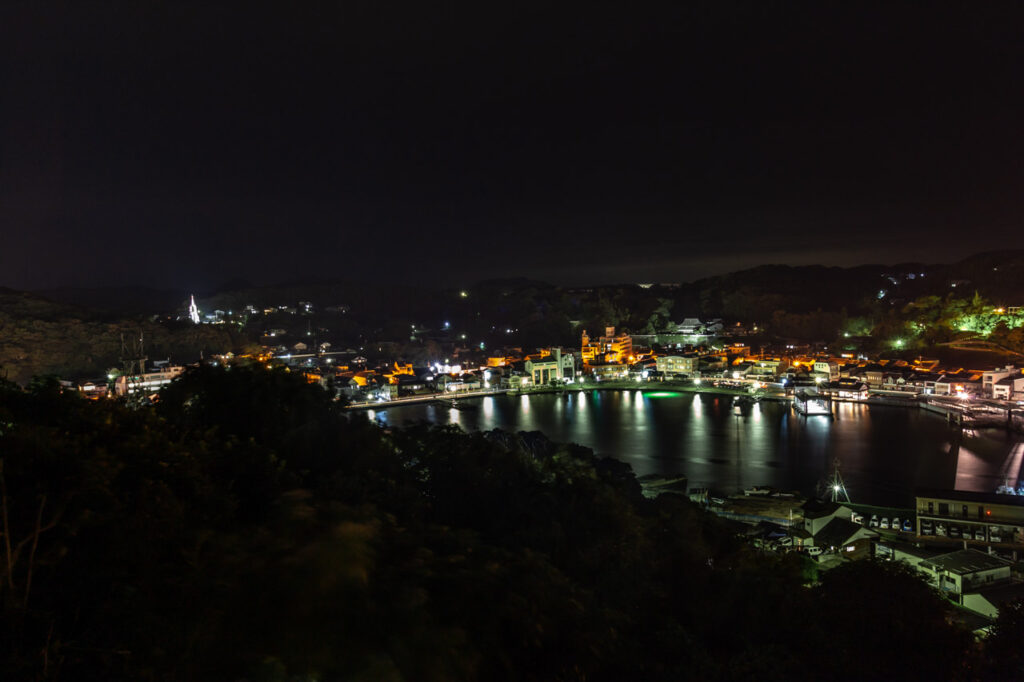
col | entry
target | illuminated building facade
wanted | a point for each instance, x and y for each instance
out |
(972, 518)
(615, 349)
(551, 367)
(147, 382)
(678, 364)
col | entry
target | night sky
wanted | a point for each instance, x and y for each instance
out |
(184, 145)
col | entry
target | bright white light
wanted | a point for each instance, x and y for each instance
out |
(835, 488)
(696, 381)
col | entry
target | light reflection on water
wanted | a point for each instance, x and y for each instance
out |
(884, 452)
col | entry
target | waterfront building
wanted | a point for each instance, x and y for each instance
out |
(616, 348)
(848, 539)
(588, 349)
(610, 348)
(410, 385)
(609, 371)
(94, 389)
(961, 517)
(542, 371)
(398, 370)
(553, 366)
(961, 574)
(516, 381)
(989, 378)
(827, 369)
(1009, 388)
(819, 513)
(147, 382)
(688, 365)
(851, 389)
(960, 382)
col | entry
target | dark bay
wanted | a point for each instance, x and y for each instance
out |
(884, 452)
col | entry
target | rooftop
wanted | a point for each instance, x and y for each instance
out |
(965, 561)
(1004, 593)
(911, 550)
(816, 509)
(838, 531)
(971, 496)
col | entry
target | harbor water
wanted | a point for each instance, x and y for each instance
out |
(884, 452)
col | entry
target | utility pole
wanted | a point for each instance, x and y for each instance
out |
(133, 364)
(836, 487)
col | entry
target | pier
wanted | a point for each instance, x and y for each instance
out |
(812, 404)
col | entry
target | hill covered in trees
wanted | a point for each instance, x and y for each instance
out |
(247, 528)
(39, 336)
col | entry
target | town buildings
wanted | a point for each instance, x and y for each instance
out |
(960, 573)
(1009, 388)
(991, 377)
(147, 382)
(686, 366)
(552, 368)
(610, 348)
(972, 519)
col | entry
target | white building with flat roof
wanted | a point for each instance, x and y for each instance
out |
(147, 382)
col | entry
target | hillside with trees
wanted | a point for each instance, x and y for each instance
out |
(38, 336)
(247, 528)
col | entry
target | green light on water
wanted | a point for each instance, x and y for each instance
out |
(662, 394)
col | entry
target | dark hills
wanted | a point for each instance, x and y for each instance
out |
(752, 292)
(123, 300)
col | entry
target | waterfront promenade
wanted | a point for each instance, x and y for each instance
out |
(622, 385)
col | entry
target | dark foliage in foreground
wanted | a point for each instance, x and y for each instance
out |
(246, 529)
